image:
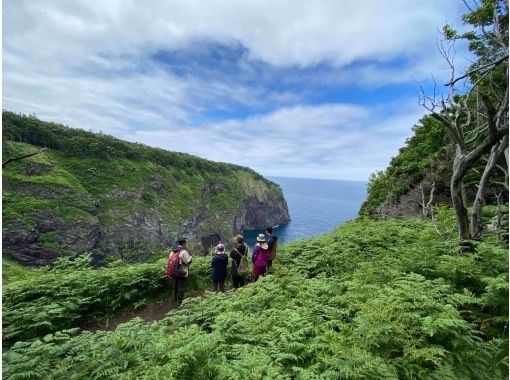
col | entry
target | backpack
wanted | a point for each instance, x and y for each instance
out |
(174, 268)
(243, 267)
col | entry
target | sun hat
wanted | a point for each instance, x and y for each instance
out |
(220, 247)
(261, 238)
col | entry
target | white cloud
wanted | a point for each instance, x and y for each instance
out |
(85, 64)
(327, 141)
(281, 33)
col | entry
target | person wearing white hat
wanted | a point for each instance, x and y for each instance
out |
(260, 257)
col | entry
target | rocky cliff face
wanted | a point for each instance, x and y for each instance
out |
(259, 213)
(56, 205)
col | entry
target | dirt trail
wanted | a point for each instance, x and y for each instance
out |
(149, 313)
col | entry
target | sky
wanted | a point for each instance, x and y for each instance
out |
(314, 89)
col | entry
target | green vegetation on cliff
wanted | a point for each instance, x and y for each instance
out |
(93, 193)
(80, 143)
(425, 153)
(371, 300)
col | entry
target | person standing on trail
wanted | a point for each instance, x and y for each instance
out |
(181, 282)
(219, 266)
(239, 256)
(260, 257)
(272, 243)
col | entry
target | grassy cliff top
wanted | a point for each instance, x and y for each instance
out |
(79, 143)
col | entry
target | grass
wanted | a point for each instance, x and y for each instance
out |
(82, 187)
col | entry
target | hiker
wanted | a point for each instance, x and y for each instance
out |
(219, 266)
(239, 256)
(181, 282)
(260, 257)
(272, 243)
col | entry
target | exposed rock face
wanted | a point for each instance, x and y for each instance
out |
(135, 236)
(119, 224)
(210, 241)
(259, 213)
(30, 246)
(409, 204)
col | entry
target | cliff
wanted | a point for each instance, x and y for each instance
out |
(425, 162)
(93, 193)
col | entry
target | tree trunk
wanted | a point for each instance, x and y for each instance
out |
(427, 205)
(499, 216)
(476, 225)
(456, 187)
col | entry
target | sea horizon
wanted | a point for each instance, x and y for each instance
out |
(316, 206)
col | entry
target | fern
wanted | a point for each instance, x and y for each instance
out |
(371, 300)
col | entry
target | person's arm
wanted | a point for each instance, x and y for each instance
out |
(255, 253)
(233, 254)
(186, 257)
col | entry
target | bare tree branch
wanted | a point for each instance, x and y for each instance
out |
(20, 157)
(490, 66)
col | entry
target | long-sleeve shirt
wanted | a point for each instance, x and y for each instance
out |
(260, 256)
(185, 260)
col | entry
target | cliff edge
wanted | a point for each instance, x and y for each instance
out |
(84, 192)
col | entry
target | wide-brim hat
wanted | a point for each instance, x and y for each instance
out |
(261, 238)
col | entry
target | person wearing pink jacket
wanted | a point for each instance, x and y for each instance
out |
(260, 257)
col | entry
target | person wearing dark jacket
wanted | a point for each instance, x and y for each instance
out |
(219, 266)
(240, 250)
(272, 243)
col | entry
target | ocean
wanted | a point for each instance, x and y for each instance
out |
(316, 206)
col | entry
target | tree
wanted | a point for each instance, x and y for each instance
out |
(477, 118)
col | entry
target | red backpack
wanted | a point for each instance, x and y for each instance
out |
(173, 267)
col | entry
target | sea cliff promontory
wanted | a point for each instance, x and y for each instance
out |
(67, 191)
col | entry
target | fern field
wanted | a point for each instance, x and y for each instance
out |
(54, 300)
(371, 300)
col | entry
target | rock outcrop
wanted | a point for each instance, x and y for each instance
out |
(56, 210)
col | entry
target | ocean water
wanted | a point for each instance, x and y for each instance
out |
(316, 206)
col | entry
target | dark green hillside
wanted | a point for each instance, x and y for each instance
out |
(426, 158)
(80, 143)
(85, 192)
(426, 154)
(371, 300)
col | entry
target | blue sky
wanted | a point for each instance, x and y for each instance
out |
(325, 89)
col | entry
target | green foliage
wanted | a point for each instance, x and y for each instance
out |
(370, 300)
(83, 261)
(12, 271)
(98, 180)
(79, 143)
(425, 153)
(65, 296)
